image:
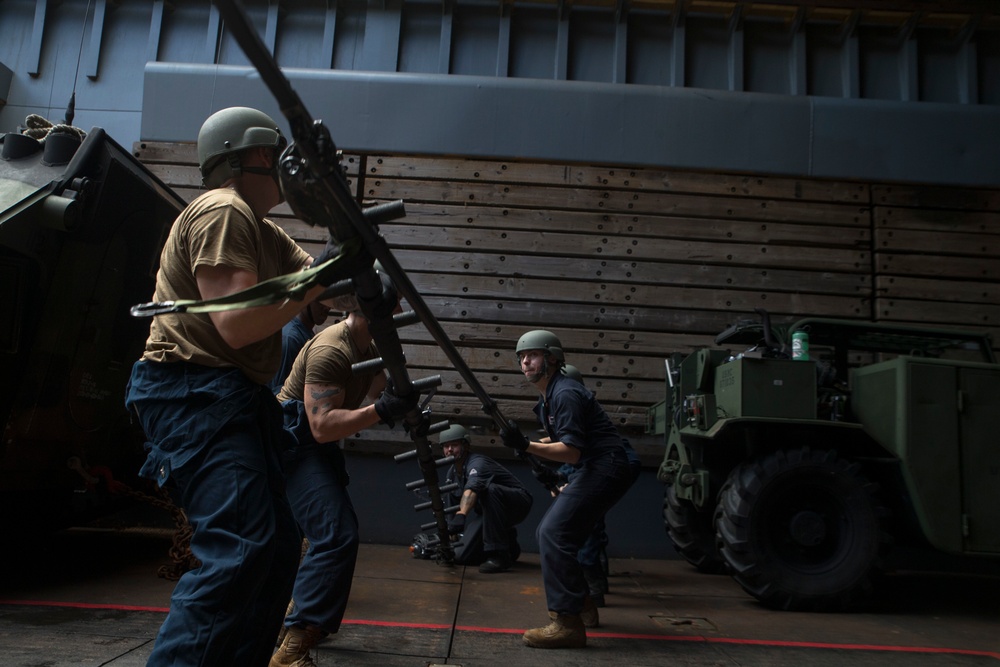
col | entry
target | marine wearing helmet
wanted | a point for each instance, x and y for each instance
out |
(226, 134)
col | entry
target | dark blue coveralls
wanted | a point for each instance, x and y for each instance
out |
(590, 552)
(294, 335)
(214, 435)
(502, 502)
(571, 414)
(316, 478)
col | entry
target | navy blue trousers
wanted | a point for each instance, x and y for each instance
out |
(590, 552)
(491, 528)
(317, 489)
(570, 520)
(214, 436)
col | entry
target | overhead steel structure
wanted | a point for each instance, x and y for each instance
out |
(869, 89)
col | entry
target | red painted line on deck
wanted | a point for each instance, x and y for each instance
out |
(590, 634)
(84, 605)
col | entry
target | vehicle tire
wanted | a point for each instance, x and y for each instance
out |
(692, 532)
(803, 530)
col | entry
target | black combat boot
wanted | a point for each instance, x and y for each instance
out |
(500, 561)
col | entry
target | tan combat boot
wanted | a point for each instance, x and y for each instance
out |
(589, 615)
(294, 649)
(565, 631)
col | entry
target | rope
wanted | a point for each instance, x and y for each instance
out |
(40, 128)
(180, 549)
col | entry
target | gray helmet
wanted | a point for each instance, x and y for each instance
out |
(452, 433)
(227, 132)
(540, 339)
(571, 371)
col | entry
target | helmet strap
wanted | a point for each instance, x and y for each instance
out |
(543, 373)
(233, 160)
(266, 171)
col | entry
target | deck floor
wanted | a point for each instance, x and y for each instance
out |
(84, 597)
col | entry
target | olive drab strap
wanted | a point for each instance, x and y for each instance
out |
(289, 287)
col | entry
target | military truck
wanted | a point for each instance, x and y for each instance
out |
(82, 223)
(797, 456)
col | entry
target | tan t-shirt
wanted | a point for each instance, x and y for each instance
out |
(217, 229)
(327, 359)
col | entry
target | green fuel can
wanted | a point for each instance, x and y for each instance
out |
(800, 346)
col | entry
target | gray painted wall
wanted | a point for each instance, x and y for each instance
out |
(839, 94)
(599, 123)
(386, 515)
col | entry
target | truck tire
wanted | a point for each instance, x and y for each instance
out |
(692, 532)
(803, 530)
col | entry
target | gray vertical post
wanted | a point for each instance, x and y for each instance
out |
(619, 72)
(155, 31)
(271, 29)
(213, 35)
(849, 61)
(329, 33)
(967, 65)
(797, 80)
(735, 60)
(677, 60)
(380, 51)
(6, 77)
(562, 42)
(909, 88)
(96, 37)
(444, 52)
(37, 32)
(503, 42)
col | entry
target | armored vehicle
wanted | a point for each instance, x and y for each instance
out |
(82, 223)
(795, 460)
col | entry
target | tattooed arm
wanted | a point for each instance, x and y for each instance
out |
(328, 419)
(467, 503)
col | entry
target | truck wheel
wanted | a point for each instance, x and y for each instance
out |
(802, 530)
(691, 532)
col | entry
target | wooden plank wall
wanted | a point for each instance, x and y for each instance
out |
(628, 265)
(937, 256)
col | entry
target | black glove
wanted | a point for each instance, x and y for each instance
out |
(348, 266)
(548, 477)
(330, 250)
(391, 407)
(332, 274)
(456, 524)
(513, 438)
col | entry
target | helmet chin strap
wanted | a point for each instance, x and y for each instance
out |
(265, 171)
(535, 377)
